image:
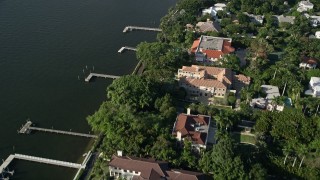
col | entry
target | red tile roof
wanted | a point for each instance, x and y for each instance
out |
(223, 75)
(204, 82)
(185, 175)
(243, 78)
(226, 49)
(148, 167)
(195, 45)
(213, 53)
(151, 169)
(185, 125)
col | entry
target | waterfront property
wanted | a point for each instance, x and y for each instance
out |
(210, 49)
(195, 128)
(204, 82)
(133, 168)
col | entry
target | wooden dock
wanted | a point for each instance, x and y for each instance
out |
(131, 28)
(27, 128)
(11, 157)
(91, 75)
(49, 161)
(127, 48)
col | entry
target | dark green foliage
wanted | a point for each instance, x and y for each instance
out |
(222, 162)
(257, 172)
(139, 113)
(133, 91)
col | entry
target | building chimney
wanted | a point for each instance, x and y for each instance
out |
(197, 68)
(188, 111)
(179, 135)
(119, 153)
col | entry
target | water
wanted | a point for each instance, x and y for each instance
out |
(44, 47)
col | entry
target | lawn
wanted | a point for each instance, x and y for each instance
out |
(242, 138)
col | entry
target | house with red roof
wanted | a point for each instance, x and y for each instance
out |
(133, 168)
(195, 128)
(207, 82)
(210, 49)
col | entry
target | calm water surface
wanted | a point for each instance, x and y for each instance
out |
(44, 47)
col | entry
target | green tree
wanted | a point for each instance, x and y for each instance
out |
(222, 162)
(164, 149)
(257, 172)
(188, 158)
(231, 61)
(132, 90)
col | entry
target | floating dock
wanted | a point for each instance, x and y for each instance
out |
(127, 48)
(27, 128)
(131, 28)
(91, 75)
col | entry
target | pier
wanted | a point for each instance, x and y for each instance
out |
(11, 157)
(127, 48)
(131, 28)
(91, 75)
(48, 161)
(27, 128)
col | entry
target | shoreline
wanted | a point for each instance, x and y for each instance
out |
(95, 143)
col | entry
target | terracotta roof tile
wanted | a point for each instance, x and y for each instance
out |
(195, 45)
(204, 82)
(223, 75)
(213, 53)
(185, 125)
(243, 78)
(185, 175)
(148, 167)
(227, 48)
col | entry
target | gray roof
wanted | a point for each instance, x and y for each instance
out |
(212, 43)
(285, 19)
(208, 26)
(271, 91)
